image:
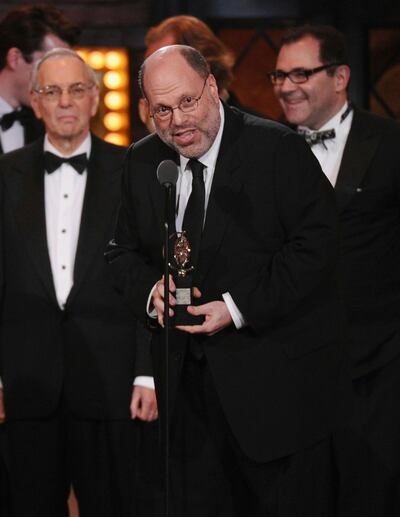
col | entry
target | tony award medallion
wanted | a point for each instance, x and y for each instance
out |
(182, 274)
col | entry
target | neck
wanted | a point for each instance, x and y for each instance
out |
(8, 90)
(67, 146)
(330, 114)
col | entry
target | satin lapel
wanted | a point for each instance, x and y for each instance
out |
(223, 195)
(360, 148)
(98, 208)
(26, 189)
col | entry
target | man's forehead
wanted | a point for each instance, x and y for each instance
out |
(301, 52)
(57, 68)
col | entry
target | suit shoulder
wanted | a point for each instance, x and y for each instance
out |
(22, 155)
(376, 122)
(255, 124)
(117, 152)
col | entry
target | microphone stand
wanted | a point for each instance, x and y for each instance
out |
(168, 200)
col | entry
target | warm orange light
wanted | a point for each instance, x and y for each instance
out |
(83, 53)
(115, 59)
(116, 100)
(115, 80)
(117, 138)
(115, 121)
(96, 60)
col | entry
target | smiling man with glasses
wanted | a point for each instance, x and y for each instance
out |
(360, 154)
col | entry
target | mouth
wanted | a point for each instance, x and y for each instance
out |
(293, 101)
(184, 136)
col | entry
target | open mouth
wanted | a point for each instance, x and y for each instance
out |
(184, 137)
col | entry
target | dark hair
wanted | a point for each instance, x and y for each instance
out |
(193, 58)
(332, 44)
(190, 31)
(26, 27)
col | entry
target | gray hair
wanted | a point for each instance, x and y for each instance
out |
(59, 52)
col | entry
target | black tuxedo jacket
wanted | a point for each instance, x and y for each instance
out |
(33, 129)
(86, 352)
(270, 240)
(368, 198)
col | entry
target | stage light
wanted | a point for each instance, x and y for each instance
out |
(115, 59)
(115, 80)
(96, 59)
(115, 121)
(117, 138)
(116, 100)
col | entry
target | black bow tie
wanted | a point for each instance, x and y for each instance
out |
(52, 162)
(317, 137)
(8, 119)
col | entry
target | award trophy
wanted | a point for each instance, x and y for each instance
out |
(181, 273)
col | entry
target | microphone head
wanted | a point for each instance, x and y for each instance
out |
(167, 173)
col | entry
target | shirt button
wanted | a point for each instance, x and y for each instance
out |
(63, 267)
(65, 196)
(63, 230)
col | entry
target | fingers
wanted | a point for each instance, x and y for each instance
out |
(196, 292)
(158, 299)
(144, 404)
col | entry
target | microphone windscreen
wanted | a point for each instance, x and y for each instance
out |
(167, 172)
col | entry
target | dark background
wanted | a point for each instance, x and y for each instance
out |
(252, 28)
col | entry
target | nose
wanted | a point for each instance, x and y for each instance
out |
(65, 98)
(178, 116)
(287, 85)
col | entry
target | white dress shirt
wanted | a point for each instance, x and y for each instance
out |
(183, 191)
(64, 191)
(330, 152)
(13, 138)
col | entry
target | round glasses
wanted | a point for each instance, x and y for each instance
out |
(53, 92)
(187, 104)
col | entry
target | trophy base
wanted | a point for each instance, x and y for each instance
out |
(183, 317)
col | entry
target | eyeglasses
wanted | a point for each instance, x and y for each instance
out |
(187, 104)
(52, 92)
(297, 75)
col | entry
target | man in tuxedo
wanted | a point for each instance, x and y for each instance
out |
(26, 33)
(359, 153)
(72, 383)
(256, 389)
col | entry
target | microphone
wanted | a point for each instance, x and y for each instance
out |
(167, 173)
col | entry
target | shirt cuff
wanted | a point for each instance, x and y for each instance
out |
(145, 381)
(151, 311)
(236, 315)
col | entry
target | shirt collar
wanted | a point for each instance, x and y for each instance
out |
(209, 158)
(85, 147)
(332, 123)
(5, 107)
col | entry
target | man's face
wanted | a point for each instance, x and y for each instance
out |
(314, 102)
(67, 119)
(168, 81)
(24, 70)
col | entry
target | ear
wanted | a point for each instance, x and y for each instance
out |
(95, 100)
(36, 104)
(342, 78)
(143, 110)
(212, 84)
(13, 58)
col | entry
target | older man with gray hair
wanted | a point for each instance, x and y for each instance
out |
(71, 381)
